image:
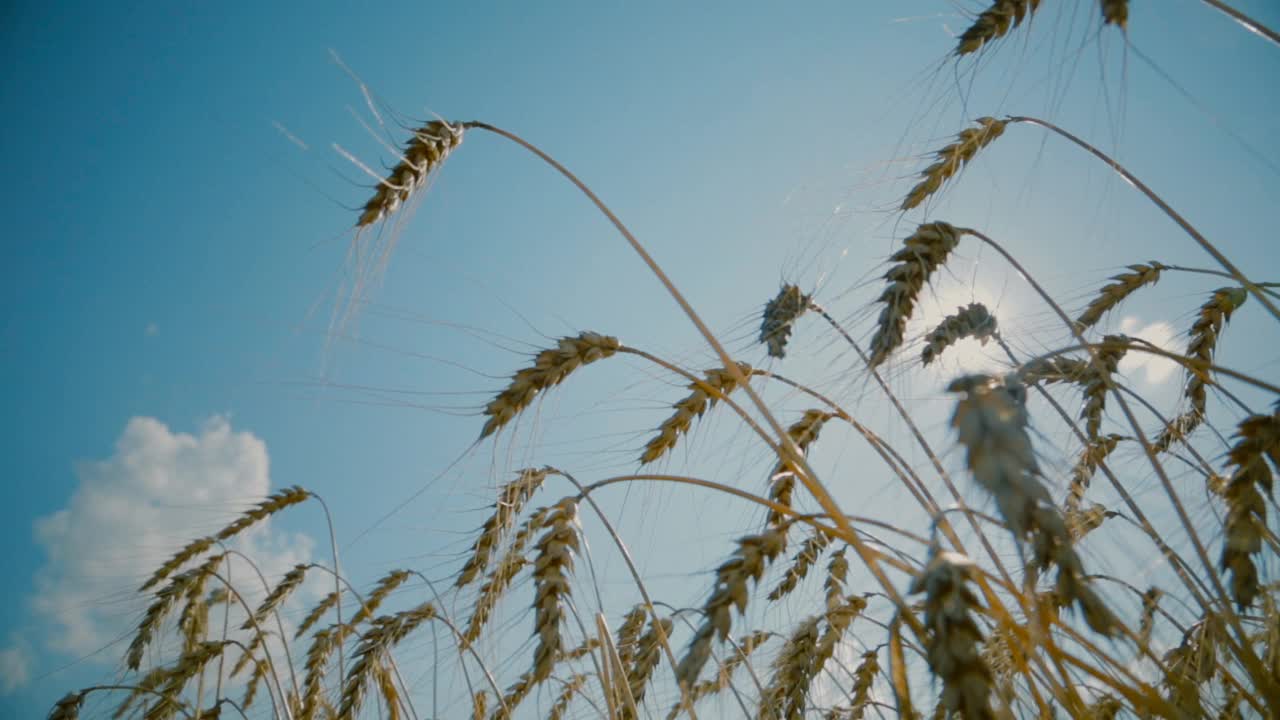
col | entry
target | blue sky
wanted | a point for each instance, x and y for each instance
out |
(173, 255)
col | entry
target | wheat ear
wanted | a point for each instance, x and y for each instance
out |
(1122, 286)
(953, 639)
(800, 564)
(554, 561)
(511, 500)
(1246, 521)
(549, 369)
(703, 395)
(951, 158)
(922, 254)
(779, 315)
(425, 152)
(994, 23)
(648, 653)
(733, 578)
(788, 688)
(166, 599)
(972, 321)
(502, 575)
(384, 633)
(1115, 12)
(782, 482)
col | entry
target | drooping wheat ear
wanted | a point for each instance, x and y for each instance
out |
(1114, 293)
(629, 633)
(68, 708)
(1095, 452)
(317, 612)
(784, 697)
(1082, 522)
(166, 599)
(1147, 622)
(1246, 519)
(838, 618)
(259, 674)
(323, 645)
(555, 551)
(923, 253)
(550, 368)
(273, 504)
(782, 482)
(384, 633)
(732, 589)
(511, 500)
(994, 23)
(971, 321)
(997, 653)
(281, 592)
(1097, 378)
(430, 145)
(381, 589)
(572, 687)
(647, 654)
(952, 158)
(1192, 664)
(502, 575)
(864, 678)
(479, 704)
(1055, 369)
(837, 576)
(800, 564)
(1106, 707)
(991, 423)
(953, 640)
(1115, 12)
(175, 678)
(193, 621)
(746, 645)
(779, 315)
(703, 395)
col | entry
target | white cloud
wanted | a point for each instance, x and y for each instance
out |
(130, 512)
(1161, 334)
(15, 667)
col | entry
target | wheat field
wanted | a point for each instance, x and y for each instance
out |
(1051, 539)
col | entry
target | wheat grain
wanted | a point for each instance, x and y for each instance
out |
(550, 368)
(511, 500)
(779, 315)
(427, 151)
(994, 23)
(952, 158)
(922, 254)
(971, 321)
